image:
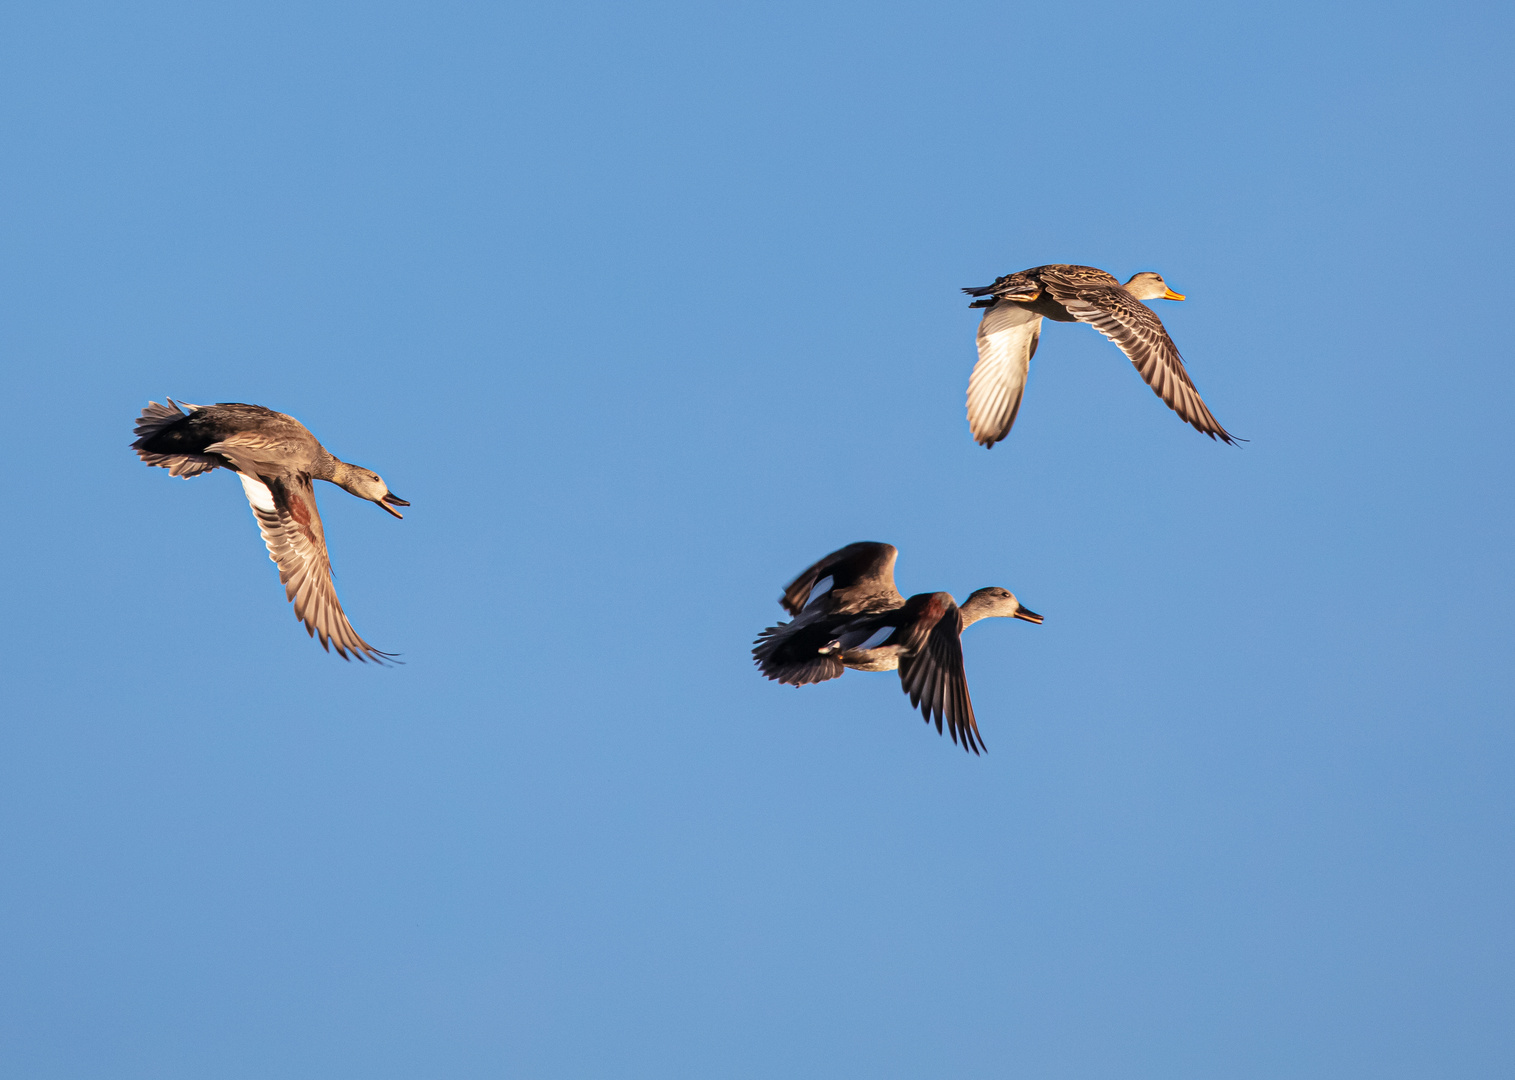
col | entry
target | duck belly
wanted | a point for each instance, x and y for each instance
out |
(883, 658)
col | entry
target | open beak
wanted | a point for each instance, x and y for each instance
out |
(386, 506)
(1171, 295)
(1028, 615)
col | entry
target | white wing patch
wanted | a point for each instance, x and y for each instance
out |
(821, 588)
(874, 640)
(257, 493)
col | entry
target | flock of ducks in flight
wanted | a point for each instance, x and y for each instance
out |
(846, 611)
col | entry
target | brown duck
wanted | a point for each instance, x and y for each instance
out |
(1015, 306)
(276, 459)
(848, 614)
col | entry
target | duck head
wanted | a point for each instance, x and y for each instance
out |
(996, 603)
(367, 484)
(1150, 286)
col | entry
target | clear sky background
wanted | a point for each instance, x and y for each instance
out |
(644, 308)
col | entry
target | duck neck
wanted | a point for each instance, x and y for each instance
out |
(333, 470)
(972, 611)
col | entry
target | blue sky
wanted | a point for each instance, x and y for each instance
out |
(645, 308)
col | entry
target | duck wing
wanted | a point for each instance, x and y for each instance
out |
(1139, 333)
(931, 667)
(260, 453)
(286, 511)
(862, 579)
(1007, 338)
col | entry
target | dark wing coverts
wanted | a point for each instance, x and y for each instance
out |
(862, 579)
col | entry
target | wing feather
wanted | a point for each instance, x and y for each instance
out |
(1139, 333)
(932, 673)
(862, 579)
(1007, 338)
(291, 526)
(254, 453)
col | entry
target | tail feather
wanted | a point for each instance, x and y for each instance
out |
(789, 658)
(156, 417)
(1009, 287)
(154, 421)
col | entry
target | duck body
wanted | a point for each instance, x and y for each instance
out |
(276, 458)
(848, 614)
(1010, 330)
(1029, 288)
(189, 437)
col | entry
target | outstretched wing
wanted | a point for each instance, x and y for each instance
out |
(1139, 333)
(862, 579)
(931, 668)
(1007, 339)
(291, 527)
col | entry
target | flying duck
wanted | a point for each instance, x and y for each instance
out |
(276, 459)
(848, 614)
(1012, 325)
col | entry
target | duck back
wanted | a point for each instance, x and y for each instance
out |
(176, 433)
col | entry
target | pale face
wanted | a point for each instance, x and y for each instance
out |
(1150, 286)
(371, 486)
(995, 602)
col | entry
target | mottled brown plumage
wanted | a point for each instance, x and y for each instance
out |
(1011, 328)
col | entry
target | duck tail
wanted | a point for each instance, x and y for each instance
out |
(156, 417)
(1009, 287)
(153, 425)
(782, 656)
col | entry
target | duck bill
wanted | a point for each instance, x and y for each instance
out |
(384, 504)
(1171, 295)
(1027, 614)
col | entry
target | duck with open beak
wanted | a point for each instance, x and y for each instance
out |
(1023, 612)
